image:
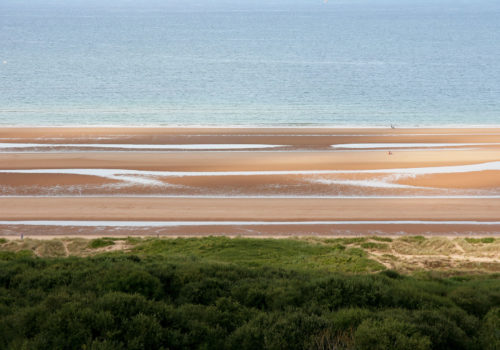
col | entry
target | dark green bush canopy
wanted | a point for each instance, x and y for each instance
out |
(125, 301)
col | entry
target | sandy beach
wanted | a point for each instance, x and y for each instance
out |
(412, 181)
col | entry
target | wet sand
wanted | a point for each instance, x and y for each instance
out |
(248, 209)
(120, 184)
(13, 231)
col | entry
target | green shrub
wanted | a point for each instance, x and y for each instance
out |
(372, 245)
(490, 330)
(351, 240)
(381, 239)
(100, 243)
(442, 329)
(412, 239)
(7, 255)
(391, 274)
(390, 334)
(468, 297)
(480, 240)
(51, 248)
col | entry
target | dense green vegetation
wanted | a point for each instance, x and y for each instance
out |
(480, 240)
(100, 242)
(218, 293)
(331, 255)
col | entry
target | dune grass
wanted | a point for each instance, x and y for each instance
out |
(100, 242)
(349, 254)
(480, 240)
(288, 253)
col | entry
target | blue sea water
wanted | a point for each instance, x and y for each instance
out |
(295, 63)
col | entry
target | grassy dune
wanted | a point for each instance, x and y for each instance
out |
(349, 255)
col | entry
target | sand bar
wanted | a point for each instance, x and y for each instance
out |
(319, 137)
(242, 209)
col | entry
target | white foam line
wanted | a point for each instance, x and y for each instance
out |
(427, 149)
(136, 146)
(117, 173)
(364, 183)
(255, 150)
(492, 166)
(234, 223)
(131, 176)
(407, 145)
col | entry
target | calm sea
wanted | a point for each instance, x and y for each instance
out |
(297, 63)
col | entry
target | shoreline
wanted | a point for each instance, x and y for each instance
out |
(263, 126)
(252, 128)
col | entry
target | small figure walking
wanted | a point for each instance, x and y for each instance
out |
(22, 236)
(389, 153)
(392, 126)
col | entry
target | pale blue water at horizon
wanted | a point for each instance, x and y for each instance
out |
(297, 63)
